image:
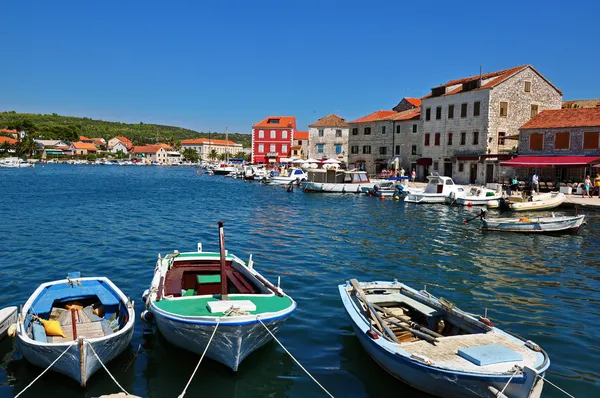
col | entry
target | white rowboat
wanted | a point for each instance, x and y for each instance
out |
(534, 224)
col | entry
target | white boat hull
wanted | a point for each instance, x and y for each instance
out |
(425, 198)
(337, 188)
(544, 202)
(8, 316)
(536, 225)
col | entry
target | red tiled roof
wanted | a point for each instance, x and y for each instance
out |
(330, 121)
(84, 138)
(405, 115)
(557, 118)
(84, 145)
(301, 135)
(277, 122)
(167, 147)
(8, 131)
(125, 141)
(98, 141)
(374, 116)
(146, 148)
(589, 103)
(11, 141)
(200, 141)
(414, 101)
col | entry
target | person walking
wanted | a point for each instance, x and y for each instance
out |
(597, 184)
(535, 183)
(413, 175)
(586, 187)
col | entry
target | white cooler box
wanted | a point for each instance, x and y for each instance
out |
(566, 190)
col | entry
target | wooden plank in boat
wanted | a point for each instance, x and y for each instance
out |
(90, 330)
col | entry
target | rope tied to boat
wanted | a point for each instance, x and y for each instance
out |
(234, 311)
(517, 370)
(200, 361)
(295, 360)
(553, 385)
(45, 370)
(105, 368)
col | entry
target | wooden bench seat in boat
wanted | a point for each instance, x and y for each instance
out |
(68, 292)
(401, 298)
(202, 280)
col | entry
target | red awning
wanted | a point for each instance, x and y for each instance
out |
(424, 162)
(551, 161)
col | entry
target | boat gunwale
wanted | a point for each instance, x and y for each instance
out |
(22, 334)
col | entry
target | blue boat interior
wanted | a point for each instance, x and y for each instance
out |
(89, 308)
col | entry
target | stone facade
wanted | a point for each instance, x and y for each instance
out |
(328, 138)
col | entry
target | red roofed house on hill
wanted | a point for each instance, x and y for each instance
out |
(560, 144)
(272, 139)
(151, 153)
(82, 148)
(126, 142)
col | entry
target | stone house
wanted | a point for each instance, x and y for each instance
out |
(205, 146)
(559, 145)
(152, 153)
(470, 124)
(300, 145)
(328, 138)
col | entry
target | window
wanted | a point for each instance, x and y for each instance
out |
(463, 138)
(338, 148)
(354, 131)
(383, 150)
(272, 148)
(449, 139)
(320, 132)
(366, 149)
(299, 142)
(273, 121)
(534, 110)
(428, 114)
(562, 140)
(367, 130)
(450, 111)
(320, 148)
(503, 109)
(436, 139)
(461, 167)
(338, 132)
(261, 148)
(382, 129)
(501, 138)
(590, 140)
(273, 134)
(413, 150)
(354, 149)
(527, 87)
(284, 148)
(475, 137)
(414, 128)
(397, 150)
(261, 134)
(427, 139)
(536, 142)
(463, 110)
(438, 113)
(398, 129)
(476, 108)
(284, 134)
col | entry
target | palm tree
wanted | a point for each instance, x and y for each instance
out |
(212, 155)
(27, 146)
(6, 147)
(190, 154)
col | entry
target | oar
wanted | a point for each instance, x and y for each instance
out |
(422, 336)
(361, 296)
(413, 324)
(480, 215)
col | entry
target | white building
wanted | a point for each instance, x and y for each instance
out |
(205, 146)
(119, 147)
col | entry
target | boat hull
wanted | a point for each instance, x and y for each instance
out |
(337, 188)
(540, 225)
(8, 316)
(231, 344)
(43, 355)
(551, 202)
(424, 198)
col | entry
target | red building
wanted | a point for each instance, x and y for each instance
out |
(272, 139)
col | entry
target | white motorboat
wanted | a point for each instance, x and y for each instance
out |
(435, 347)
(15, 163)
(534, 224)
(224, 169)
(437, 189)
(474, 196)
(196, 295)
(293, 175)
(543, 201)
(339, 181)
(92, 322)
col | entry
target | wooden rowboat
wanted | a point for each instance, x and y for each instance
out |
(534, 224)
(433, 346)
(544, 201)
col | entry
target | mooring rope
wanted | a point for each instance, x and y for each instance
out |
(199, 362)
(553, 385)
(509, 380)
(295, 360)
(45, 370)
(101, 363)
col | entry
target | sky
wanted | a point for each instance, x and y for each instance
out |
(208, 65)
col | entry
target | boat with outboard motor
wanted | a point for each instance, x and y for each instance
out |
(437, 189)
(435, 347)
(542, 201)
(86, 322)
(474, 196)
(215, 301)
(293, 175)
(224, 169)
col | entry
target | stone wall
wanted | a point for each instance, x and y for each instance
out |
(575, 147)
(329, 141)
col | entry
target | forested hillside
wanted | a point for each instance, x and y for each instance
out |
(69, 128)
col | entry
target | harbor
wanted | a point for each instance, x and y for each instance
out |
(114, 221)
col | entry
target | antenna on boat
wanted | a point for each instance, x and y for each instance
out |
(485, 313)
(278, 282)
(222, 267)
(250, 262)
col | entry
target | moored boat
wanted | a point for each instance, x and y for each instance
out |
(437, 189)
(339, 181)
(15, 163)
(475, 196)
(224, 169)
(544, 201)
(435, 347)
(293, 175)
(8, 316)
(197, 294)
(534, 224)
(89, 320)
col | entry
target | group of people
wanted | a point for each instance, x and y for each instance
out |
(587, 185)
(399, 173)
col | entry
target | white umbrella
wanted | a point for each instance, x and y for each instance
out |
(299, 161)
(311, 160)
(332, 161)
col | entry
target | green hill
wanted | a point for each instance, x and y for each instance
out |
(69, 128)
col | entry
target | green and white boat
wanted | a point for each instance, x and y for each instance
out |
(193, 293)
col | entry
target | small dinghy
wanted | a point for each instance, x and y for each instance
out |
(552, 224)
(201, 299)
(475, 196)
(543, 201)
(86, 320)
(433, 346)
(8, 317)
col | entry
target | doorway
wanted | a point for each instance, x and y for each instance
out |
(473, 173)
(489, 173)
(448, 169)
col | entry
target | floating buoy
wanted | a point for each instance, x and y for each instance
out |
(382, 198)
(145, 295)
(147, 316)
(397, 197)
(469, 204)
(12, 330)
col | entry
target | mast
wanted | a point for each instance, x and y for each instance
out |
(226, 145)
(223, 263)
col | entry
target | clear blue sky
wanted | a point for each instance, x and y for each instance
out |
(206, 65)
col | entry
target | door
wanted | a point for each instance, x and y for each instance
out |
(473, 173)
(489, 173)
(448, 169)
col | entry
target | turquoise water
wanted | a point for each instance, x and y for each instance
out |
(113, 221)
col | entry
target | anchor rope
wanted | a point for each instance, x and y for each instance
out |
(110, 374)
(553, 385)
(45, 370)
(509, 380)
(199, 362)
(295, 360)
